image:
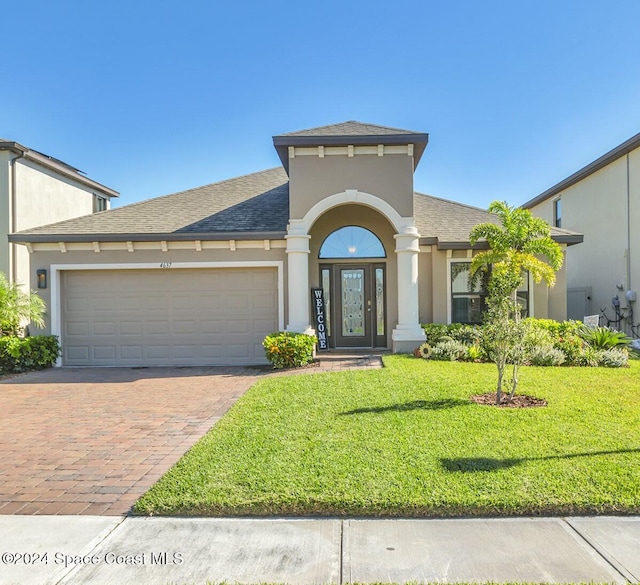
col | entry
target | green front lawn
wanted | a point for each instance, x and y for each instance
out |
(407, 441)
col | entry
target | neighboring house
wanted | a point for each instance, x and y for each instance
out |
(36, 189)
(201, 276)
(602, 201)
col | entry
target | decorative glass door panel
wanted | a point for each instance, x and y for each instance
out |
(355, 303)
(352, 282)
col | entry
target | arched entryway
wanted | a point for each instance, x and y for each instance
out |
(352, 266)
(400, 240)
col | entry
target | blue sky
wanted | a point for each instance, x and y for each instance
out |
(151, 98)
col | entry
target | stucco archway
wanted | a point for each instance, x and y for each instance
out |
(407, 332)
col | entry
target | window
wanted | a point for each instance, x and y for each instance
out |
(352, 242)
(468, 306)
(99, 203)
(557, 213)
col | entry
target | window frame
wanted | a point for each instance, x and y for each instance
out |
(557, 212)
(482, 295)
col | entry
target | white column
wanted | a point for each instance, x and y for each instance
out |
(408, 334)
(298, 279)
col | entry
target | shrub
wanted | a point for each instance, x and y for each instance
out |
(613, 358)
(467, 334)
(289, 350)
(435, 332)
(546, 355)
(474, 353)
(573, 348)
(18, 354)
(448, 351)
(587, 356)
(604, 337)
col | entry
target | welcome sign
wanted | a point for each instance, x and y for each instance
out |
(320, 318)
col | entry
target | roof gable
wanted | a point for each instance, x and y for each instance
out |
(350, 133)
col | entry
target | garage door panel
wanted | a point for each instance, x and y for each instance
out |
(77, 354)
(130, 327)
(131, 352)
(168, 317)
(104, 328)
(104, 352)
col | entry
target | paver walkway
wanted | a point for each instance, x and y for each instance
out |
(93, 440)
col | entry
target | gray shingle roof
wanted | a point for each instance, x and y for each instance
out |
(252, 204)
(351, 128)
(448, 223)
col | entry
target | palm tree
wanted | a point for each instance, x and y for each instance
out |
(516, 248)
(18, 307)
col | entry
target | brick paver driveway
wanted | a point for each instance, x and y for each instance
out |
(93, 440)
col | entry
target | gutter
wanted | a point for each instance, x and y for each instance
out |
(145, 237)
(62, 169)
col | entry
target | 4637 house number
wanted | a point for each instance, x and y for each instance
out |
(165, 264)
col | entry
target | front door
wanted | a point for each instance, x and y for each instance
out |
(357, 316)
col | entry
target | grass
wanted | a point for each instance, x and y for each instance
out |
(407, 441)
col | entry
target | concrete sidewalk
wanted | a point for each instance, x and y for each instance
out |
(99, 550)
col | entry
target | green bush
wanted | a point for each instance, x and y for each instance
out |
(545, 355)
(21, 354)
(467, 334)
(449, 351)
(605, 337)
(474, 353)
(435, 332)
(613, 358)
(289, 350)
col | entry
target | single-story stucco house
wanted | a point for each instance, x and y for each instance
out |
(201, 276)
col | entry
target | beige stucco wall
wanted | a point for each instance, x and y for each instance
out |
(41, 197)
(5, 210)
(44, 259)
(599, 207)
(389, 177)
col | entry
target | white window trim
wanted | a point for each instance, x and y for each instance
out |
(56, 269)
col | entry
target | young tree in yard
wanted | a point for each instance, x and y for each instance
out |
(516, 247)
(17, 307)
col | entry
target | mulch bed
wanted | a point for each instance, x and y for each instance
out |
(518, 401)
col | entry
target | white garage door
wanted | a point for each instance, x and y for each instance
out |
(167, 317)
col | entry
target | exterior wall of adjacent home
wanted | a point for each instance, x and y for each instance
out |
(389, 177)
(5, 211)
(602, 206)
(142, 254)
(41, 197)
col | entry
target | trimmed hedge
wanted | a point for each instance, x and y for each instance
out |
(289, 350)
(21, 354)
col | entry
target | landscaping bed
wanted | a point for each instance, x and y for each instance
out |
(407, 440)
